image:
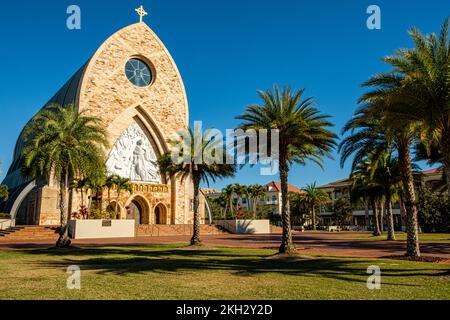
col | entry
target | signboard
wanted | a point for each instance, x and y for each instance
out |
(106, 223)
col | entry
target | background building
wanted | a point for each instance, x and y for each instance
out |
(341, 189)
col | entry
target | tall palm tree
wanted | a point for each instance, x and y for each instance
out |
(313, 197)
(241, 192)
(385, 173)
(64, 143)
(96, 183)
(238, 191)
(198, 171)
(374, 130)
(417, 89)
(303, 136)
(364, 188)
(80, 186)
(228, 193)
(121, 184)
(256, 192)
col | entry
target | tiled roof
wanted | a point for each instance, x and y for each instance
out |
(433, 171)
(276, 186)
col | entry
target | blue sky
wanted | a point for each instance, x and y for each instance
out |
(226, 50)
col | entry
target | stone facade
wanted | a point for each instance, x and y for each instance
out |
(159, 109)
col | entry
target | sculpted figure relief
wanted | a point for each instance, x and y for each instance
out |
(133, 157)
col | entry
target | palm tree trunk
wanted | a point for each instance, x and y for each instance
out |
(70, 203)
(313, 211)
(402, 211)
(366, 210)
(413, 249)
(63, 240)
(380, 216)
(195, 241)
(287, 245)
(376, 231)
(116, 205)
(109, 203)
(231, 207)
(389, 217)
(82, 197)
(225, 211)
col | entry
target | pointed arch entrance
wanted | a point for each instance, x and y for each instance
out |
(138, 210)
(160, 214)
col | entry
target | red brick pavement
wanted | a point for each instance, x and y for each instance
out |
(310, 243)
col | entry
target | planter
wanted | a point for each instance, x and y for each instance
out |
(102, 229)
(245, 226)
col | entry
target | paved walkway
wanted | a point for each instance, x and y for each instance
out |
(312, 243)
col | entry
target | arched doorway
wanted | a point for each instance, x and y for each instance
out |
(135, 212)
(160, 215)
(139, 210)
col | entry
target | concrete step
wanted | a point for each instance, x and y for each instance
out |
(29, 233)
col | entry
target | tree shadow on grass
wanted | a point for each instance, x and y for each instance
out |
(165, 259)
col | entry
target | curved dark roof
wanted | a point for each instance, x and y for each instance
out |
(68, 94)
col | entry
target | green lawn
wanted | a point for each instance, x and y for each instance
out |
(174, 272)
(401, 236)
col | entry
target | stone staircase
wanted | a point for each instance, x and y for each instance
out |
(176, 230)
(28, 233)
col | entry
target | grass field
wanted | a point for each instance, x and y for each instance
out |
(176, 272)
(400, 236)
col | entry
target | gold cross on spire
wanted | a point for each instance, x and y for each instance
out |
(141, 12)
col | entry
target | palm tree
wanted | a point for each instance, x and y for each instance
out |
(385, 173)
(373, 130)
(424, 77)
(243, 193)
(228, 193)
(121, 184)
(80, 185)
(191, 168)
(415, 95)
(303, 136)
(364, 188)
(96, 183)
(256, 192)
(64, 143)
(239, 191)
(313, 197)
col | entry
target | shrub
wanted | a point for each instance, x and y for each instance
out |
(434, 212)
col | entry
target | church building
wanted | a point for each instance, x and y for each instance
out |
(133, 86)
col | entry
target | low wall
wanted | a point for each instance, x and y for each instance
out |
(245, 226)
(101, 229)
(6, 224)
(175, 230)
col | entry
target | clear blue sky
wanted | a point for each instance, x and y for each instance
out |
(226, 50)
